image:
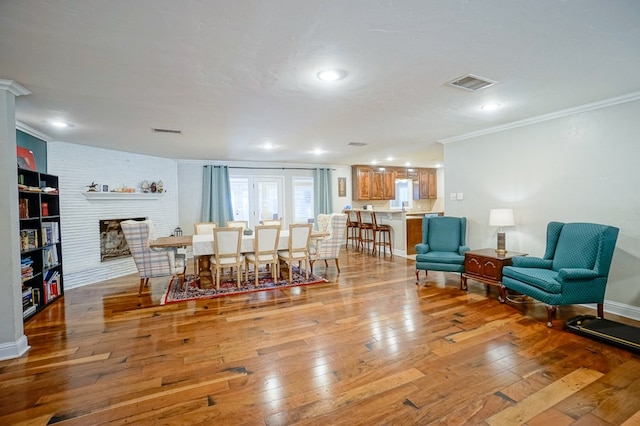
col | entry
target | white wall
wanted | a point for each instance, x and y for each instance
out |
(578, 168)
(78, 166)
(190, 184)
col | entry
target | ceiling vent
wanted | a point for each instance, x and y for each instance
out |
(177, 132)
(357, 144)
(471, 82)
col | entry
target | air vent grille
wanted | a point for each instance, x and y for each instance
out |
(471, 82)
(357, 144)
(177, 132)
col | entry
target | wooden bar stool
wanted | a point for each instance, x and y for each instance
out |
(353, 230)
(381, 236)
(366, 232)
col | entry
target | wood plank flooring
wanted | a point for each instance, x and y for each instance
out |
(369, 347)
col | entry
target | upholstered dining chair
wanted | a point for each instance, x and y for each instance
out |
(265, 251)
(204, 228)
(298, 251)
(244, 224)
(151, 263)
(574, 268)
(443, 245)
(226, 246)
(328, 247)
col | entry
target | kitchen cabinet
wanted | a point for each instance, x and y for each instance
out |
(373, 183)
(426, 187)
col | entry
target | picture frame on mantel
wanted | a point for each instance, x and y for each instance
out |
(342, 187)
(105, 188)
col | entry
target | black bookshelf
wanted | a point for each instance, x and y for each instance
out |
(40, 241)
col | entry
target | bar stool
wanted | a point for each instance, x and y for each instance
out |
(366, 233)
(381, 236)
(353, 230)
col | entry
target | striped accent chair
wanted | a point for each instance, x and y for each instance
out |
(574, 269)
(329, 247)
(150, 262)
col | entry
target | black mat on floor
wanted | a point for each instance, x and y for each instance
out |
(612, 332)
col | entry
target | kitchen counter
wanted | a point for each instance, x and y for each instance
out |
(406, 227)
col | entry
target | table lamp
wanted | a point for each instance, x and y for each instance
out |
(501, 217)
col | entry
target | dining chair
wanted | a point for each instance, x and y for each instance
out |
(226, 244)
(150, 262)
(298, 251)
(328, 247)
(265, 251)
(203, 228)
(244, 224)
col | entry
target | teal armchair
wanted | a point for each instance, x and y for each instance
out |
(574, 269)
(443, 245)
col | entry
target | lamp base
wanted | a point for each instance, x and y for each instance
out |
(501, 251)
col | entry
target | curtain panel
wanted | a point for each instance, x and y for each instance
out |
(322, 191)
(216, 195)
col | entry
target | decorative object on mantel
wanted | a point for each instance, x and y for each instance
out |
(123, 189)
(159, 186)
(154, 188)
(145, 186)
(177, 232)
(93, 187)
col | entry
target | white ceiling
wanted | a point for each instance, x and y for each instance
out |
(232, 74)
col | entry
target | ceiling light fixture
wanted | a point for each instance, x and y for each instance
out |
(60, 124)
(331, 75)
(267, 145)
(490, 107)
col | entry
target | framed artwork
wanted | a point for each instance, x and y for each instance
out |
(26, 160)
(105, 188)
(342, 187)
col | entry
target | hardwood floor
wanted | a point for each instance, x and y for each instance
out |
(370, 347)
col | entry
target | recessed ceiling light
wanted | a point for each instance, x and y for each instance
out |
(490, 107)
(332, 75)
(318, 151)
(59, 124)
(407, 164)
(268, 145)
(374, 162)
(389, 158)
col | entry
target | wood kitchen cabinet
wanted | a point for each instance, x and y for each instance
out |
(426, 186)
(373, 183)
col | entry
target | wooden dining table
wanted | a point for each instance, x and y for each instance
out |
(202, 244)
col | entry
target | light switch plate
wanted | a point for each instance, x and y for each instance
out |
(452, 196)
(460, 196)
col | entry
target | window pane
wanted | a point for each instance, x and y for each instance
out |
(302, 199)
(239, 198)
(268, 200)
(403, 194)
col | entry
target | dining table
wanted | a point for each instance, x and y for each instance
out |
(202, 244)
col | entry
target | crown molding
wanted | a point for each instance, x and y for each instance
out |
(16, 88)
(33, 132)
(546, 117)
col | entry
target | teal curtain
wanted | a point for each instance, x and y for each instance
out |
(322, 192)
(216, 195)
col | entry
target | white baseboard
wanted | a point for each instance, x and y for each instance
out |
(15, 349)
(627, 311)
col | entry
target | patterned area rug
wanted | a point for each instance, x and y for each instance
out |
(229, 287)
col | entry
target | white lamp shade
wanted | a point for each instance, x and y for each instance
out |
(501, 217)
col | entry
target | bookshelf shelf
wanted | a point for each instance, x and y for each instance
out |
(40, 242)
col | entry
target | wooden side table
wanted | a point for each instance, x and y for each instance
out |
(485, 265)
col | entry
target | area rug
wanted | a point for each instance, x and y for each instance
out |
(229, 287)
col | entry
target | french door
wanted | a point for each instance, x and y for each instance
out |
(257, 198)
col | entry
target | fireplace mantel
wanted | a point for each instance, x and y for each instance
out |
(122, 195)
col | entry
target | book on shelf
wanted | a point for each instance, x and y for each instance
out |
(50, 233)
(51, 285)
(26, 268)
(50, 256)
(29, 311)
(28, 239)
(23, 208)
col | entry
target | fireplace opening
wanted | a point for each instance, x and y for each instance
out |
(113, 245)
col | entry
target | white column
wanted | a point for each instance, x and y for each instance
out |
(13, 342)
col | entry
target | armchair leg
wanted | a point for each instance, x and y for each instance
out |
(426, 273)
(502, 293)
(143, 283)
(311, 265)
(551, 310)
(337, 265)
(463, 283)
(600, 310)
